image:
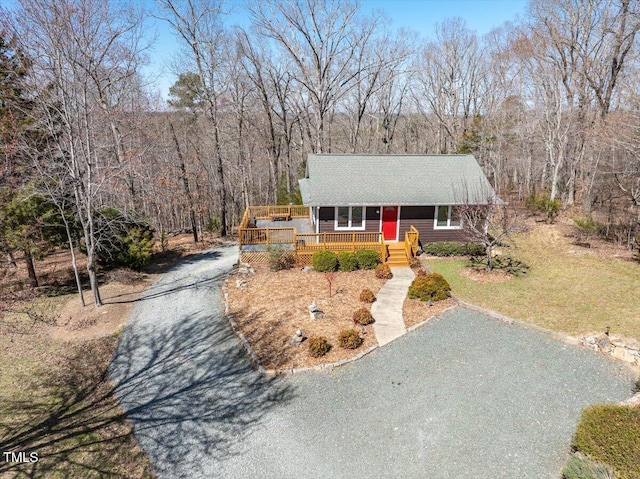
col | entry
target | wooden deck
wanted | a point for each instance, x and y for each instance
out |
(255, 242)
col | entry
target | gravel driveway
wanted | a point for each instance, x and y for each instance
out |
(463, 397)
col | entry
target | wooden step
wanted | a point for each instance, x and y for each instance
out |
(397, 263)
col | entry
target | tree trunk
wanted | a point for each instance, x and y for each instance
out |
(74, 262)
(185, 183)
(33, 279)
(11, 260)
(93, 280)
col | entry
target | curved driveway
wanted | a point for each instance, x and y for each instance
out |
(463, 397)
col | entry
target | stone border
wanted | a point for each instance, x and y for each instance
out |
(615, 347)
(278, 372)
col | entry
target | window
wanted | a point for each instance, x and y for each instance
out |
(447, 217)
(350, 217)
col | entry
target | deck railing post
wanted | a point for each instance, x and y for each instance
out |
(267, 229)
(324, 240)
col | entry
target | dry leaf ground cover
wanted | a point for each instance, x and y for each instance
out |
(273, 305)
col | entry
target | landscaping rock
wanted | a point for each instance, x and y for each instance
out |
(307, 269)
(633, 401)
(315, 312)
(246, 270)
(624, 355)
(590, 339)
(604, 344)
(297, 338)
(241, 283)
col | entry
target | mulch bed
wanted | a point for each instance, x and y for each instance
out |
(271, 306)
(415, 311)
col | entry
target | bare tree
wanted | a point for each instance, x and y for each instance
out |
(487, 220)
(198, 24)
(85, 52)
(323, 40)
(450, 81)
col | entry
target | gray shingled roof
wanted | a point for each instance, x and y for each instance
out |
(394, 180)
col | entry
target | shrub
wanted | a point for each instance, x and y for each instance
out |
(432, 287)
(453, 248)
(324, 261)
(581, 467)
(587, 226)
(415, 263)
(367, 296)
(349, 339)
(319, 346)
(383, 271)
(125, 241)
(280, 259)
(421, 272)
(543, 204)
(610, 434)
(214, 224)
(347, 261)
(367, 258)
(139, 248)
(362, 317)
(504, 263)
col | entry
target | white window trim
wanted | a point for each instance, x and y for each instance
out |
(448, 227)
(350, 228)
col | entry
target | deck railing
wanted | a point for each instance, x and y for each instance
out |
(337, 242)
(411, 242)
(277, 211)
(266, 236)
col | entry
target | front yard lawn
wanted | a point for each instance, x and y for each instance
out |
(568, 288)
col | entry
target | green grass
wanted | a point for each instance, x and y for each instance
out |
(571, 293)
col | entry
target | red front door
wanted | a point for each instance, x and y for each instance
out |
(390, 222)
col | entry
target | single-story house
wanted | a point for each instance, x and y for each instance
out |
(391, 193)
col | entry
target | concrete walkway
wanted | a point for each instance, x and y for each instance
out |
(387, 310)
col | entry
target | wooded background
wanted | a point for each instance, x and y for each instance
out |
(548, 104)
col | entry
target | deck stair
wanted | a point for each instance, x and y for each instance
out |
(397, 255)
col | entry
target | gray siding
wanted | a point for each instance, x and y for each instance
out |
(327, 219)
(419, 216)
(422, 218)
